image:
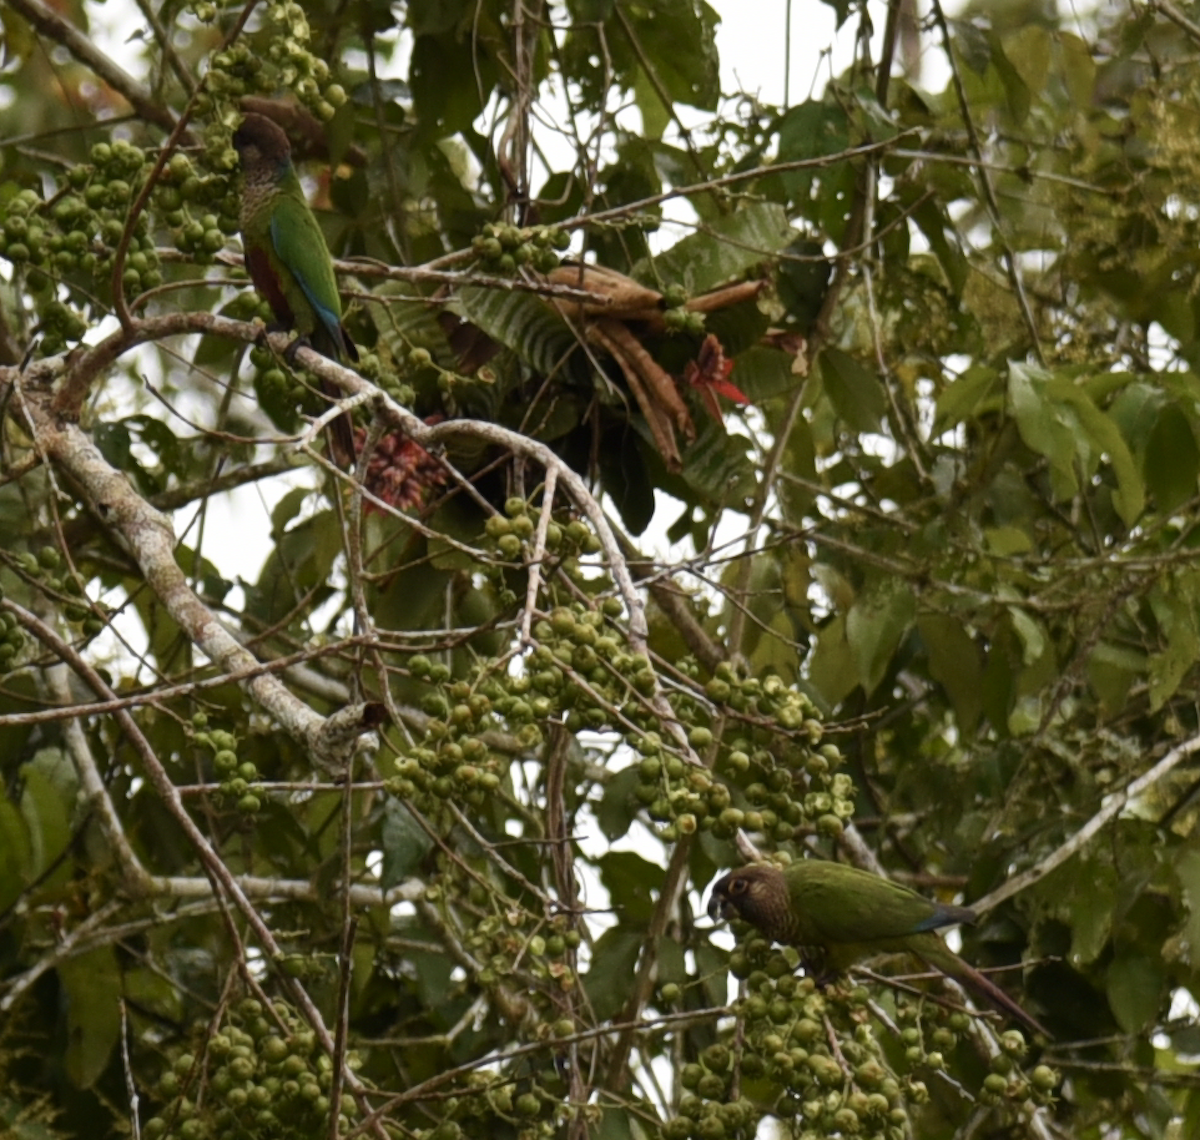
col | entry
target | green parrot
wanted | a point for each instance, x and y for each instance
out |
(287, 257)
(850, 915)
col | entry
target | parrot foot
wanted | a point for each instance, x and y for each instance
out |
(289, 353)
(816, 967)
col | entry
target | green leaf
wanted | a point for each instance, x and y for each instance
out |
(91, 985)
(832, 668)
(935, 225)
(1028, 49)
(615, 1125)
(615, 806)
(1187, 868)
(1078, 68)
(875, 625)
(1130, 497)
(1135, 983)
(15, 854)
(678, 39)
(522, 322)
(614, 959)
(655, 117)
(855, 392)
(1046, 426)
(1112, 669)
(1030, 633)
(405, 843)
(723, 250)
(977, 391)
(1016, 89)
(763, 373)
(1172, 459)
(812, 130)
(631, 881)
(627, 480)
(956, 663)
(1091, 912)
(1175, 612)
(716, 465)
(47, 803)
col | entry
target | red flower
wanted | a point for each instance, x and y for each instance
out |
(709, 375)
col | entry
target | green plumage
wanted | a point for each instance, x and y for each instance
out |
(849, 915)
(286, 254)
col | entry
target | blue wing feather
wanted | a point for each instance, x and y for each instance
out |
(304, 231)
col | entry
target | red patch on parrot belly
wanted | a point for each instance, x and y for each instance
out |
(266, 282)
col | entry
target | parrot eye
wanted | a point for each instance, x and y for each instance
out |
(737, 887)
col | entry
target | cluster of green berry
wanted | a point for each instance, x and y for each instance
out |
(504, 248)
(870, 1086)
(494, 1105)
(279, 391)
(394, 380)
(72, 237)
(773, 777)
(677, 317)
(1007, 1081)
(199, 207)
(275, 57)
(704, 1110)
(512, 531)
(44, 570)
(452, 760)
(852, 1092)
(603, 675)
(236, 776)
(260, 1075)
(12, 641)
(681, 796)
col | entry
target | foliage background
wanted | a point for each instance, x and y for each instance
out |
(933, 606)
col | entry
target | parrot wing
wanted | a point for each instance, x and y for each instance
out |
(841, 905)
(300, 245)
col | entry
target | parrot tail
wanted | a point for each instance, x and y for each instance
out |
(960, 971)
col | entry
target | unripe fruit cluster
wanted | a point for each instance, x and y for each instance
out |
(237, 776)
(773, 780)
(75, 234)
(676, 316)
(280, 393)
(504, 248)
(511, 533)
(451, 761)
(1007, 1081)
(276, 57)
(582, 667)
(200, 208)
(46, 569)
(785, 1041)
(493, 1106)
(511, 935)
(12, 641)
(263, 1077)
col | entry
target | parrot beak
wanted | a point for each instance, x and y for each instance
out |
(720, 906)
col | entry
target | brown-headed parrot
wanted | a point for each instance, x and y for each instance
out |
(287, 257)
(849, 915)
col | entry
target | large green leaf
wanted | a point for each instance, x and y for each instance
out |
(1136, 984)
(854, 391)
(723, 250)
(877, 621)
(91, 985)
(520, 321)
